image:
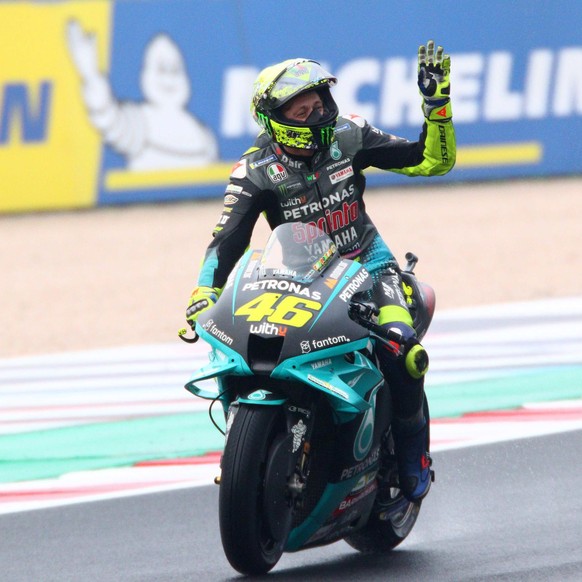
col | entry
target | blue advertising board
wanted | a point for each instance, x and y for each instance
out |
(165, 89)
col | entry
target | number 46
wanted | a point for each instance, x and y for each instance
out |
(291, 310)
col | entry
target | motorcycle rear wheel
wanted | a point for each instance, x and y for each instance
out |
(249, 545)
(381, 533)
(382, 536)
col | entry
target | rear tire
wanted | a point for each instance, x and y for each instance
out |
(382, 536)
(248, 542)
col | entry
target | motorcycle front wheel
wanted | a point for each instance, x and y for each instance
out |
(249, 543)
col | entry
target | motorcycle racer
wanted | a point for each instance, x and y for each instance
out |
(307, 166)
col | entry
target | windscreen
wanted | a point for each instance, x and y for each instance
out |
(297, 251)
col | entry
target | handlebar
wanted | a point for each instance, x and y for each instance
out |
(411, 260)
(365, 313)
(362, 312)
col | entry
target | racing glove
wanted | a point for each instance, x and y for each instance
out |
(433, 81)
(202, 298)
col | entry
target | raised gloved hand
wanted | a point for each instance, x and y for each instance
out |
(202, 298)
(433, 81)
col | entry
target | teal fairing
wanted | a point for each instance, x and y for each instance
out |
(318, 292)
(333, 376)
(301, 392)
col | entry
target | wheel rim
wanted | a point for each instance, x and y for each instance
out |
(403, 519)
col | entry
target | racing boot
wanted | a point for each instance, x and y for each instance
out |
(414, 462)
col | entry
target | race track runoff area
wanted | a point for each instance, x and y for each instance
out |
(81, 426)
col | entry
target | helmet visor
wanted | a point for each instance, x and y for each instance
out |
(297, 78)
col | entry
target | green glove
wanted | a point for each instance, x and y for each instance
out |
(434, 69)
(202, 298)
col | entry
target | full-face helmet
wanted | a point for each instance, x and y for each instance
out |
(277, 85)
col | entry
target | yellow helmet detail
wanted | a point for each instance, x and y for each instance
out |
(277, 85)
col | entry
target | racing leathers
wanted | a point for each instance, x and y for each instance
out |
(326, 191)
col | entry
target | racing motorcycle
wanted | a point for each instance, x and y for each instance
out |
(308, 456)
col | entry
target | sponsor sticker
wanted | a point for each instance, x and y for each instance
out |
(357, 281)
(342, 174)
(233, 189)
(329, 341)
(282, 285)
(277, 173)
(266, 328)
(321, 363)
(338, 270)
(324, 259)
(388, 291)
(349, 472)
(298, 432)
(328, 386)
(230, 199)
(288, 188)
(338, 164)
(353, 499)
(262, 162)
(211, 328)
(359, 121)
(239, 170)
(341, 128)
(291, 162)
(294, 201)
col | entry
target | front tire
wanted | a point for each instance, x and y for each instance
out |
(249, 544)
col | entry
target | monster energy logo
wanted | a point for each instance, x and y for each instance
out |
(264, 122)
(326, 135)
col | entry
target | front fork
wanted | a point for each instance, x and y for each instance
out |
(289, 455)
(300, 422)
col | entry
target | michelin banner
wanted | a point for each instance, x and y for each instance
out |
(113, 102)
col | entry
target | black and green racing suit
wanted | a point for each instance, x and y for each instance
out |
(326, 191)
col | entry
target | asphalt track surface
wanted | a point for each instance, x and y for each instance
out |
(510, 510)
(506, 511)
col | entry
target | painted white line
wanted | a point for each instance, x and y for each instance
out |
(63, 390)
(88, 486)
(446, 434)
(487, 428)
(77, 388)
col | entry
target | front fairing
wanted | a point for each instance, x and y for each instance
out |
(304, 317)
(281, 313)
(277, 326)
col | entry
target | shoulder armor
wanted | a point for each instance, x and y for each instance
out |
(355, 119)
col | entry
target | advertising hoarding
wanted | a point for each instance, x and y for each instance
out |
(106, 102)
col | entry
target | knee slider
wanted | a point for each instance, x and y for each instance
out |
(416, 360)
